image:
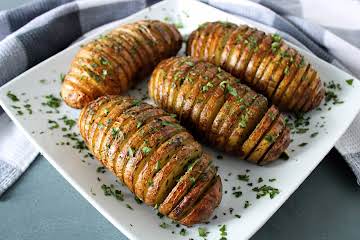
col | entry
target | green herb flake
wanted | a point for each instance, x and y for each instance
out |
(157, 166)
(237, 194)
(183, 232)
(237, 216)
(243, 177)
(136, 102)
(51, 101)
(138, 200)
(129, 206)
(53, 124)
(349, 81)
(302, 144)
(130, 152)
(62, 77)
(164, 225)
(266, 190)
(12, 96)
(314, 134)
(111, 191)
(202, 232)
(146, 150)
(101, 169)
(223, 232)
(192, 180)
(247, 204)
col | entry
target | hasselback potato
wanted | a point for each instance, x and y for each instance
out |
(264, 61)
(216, 106)
(156, 158)
(112, 63)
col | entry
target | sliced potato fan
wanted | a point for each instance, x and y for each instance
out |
(218, 108)
(156, 158)
(263, 61)
(112, 63)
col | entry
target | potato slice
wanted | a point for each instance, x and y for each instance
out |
(263, 51)
(251, 45)
(184, 184)
(161, 156)
(166, 178)
(221, 45)
(202, 211)
(237, 109)
(262, 84)
(258, 133)
(246, 124)
(301, 94)
(190, 91)
(131, 146)
(172, 76)
(148, 146)
(287, 79)
(201, 41)
(281, 71)
(86, 118)
(238, 50)
(177, 82)
(234, 43)
(209, 85)
(291, 88)
(268, 140)
(277, 148)
(200, 187)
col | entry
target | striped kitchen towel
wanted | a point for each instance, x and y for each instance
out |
(30, 34)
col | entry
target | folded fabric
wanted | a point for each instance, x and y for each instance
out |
(30, 34)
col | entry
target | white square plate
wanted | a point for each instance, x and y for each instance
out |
(142, 222)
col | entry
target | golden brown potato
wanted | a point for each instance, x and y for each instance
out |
(264, 61)
(156, 158)
(218, 108)
(112, 63)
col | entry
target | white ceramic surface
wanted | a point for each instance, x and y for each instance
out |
(142, 222)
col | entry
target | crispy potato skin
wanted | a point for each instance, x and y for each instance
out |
(217, 107)
(264, 61)
(156, 158)
(113, 63)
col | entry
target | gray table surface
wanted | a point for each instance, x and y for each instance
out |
(42, 205)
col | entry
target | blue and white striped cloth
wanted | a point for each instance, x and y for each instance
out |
(33, 32)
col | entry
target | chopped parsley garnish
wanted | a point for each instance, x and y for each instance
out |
(266, 190)
(243, 120)
(51, 101)
(111, 191)
(104, 61)
(223, 232)
(101, 169)
(146, 150)
(182, 232)
(157, 166)
(276, 37)
(237, 216)
(349, 81)
(12, 96)
(302, 144)
(62, 77)
(247, 204)
(206, 87)
(192, 180)
(68, 122)
(138, 200)
(202, 232)
(136, 102)
(164, 225)
(237, 194)
(314, 134)
(53, 124)
(272, 179)
(130, 152)
(269, 138)
(129, 207)
(243, 177)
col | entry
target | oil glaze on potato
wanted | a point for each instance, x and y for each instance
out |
(156, 158)
(263, 61)
(112, 63)
(218, 108)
